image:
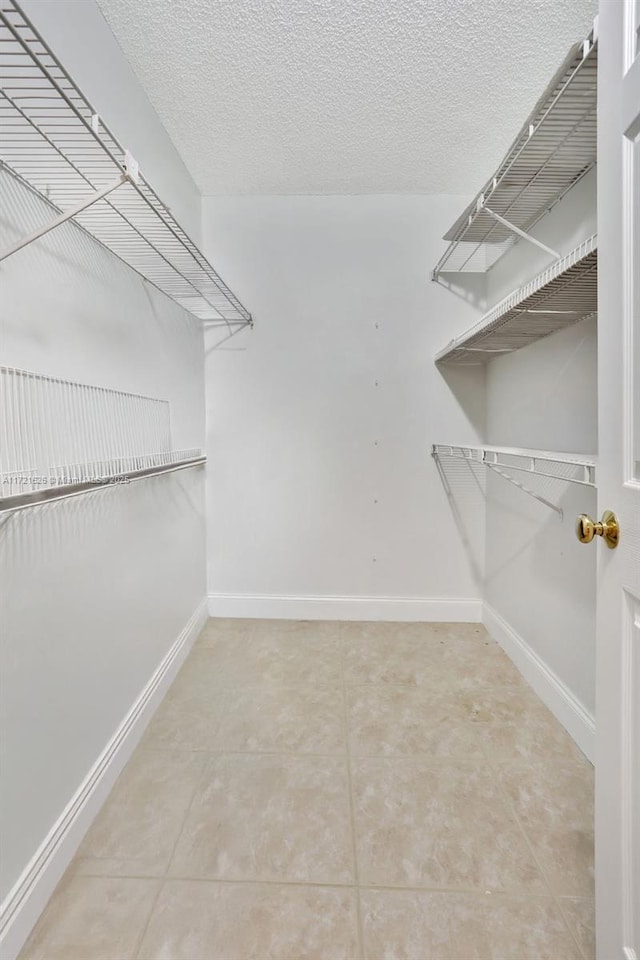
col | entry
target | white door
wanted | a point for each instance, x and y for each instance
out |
(618, 644)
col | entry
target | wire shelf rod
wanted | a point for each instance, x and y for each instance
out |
(551, 456)
(38, 497)
(494, 458)
(56, 433)
(564, 293)
(52, 139)
(555, 148)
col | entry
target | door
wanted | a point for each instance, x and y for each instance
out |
(618, 631)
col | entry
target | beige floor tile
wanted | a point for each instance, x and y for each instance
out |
(515, 725)
(410, 630)
(424, 824)
(269, 656)
(405, 925)
(188, 718)
(221, 627)
(581, 916)
(390, 720)
(217, 628)
(501, 704)
(136, 830)
(300, 629)
(93, 918)
(202, 673)
(536, 736)
(460, 655)
(243, 775)
(554, 803)
(268, 818)
(219, 921)
(277, 718)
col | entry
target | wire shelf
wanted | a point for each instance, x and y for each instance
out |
(563, 467)
(53, 140)
(554, 149)
(572, 467)
(59, 438)
(561, 295)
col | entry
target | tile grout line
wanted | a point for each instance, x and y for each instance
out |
(426, 758)
(224, 691)
(354, 844)
(206, 760)
(431, 686)
(555, 897)
(140, 939)
(490, 688)
(558, 901)
(162, 880)
(479, 892)
(512, 810)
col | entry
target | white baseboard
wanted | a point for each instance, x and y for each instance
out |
(551, 690)
(344, 608)
(29, 896)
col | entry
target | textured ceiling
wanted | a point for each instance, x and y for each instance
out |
(344, 96)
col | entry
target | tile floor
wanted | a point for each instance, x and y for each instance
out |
(338, 791)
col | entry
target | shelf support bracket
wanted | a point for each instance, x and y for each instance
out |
(66, 215)
(521, 486)
(522, 233)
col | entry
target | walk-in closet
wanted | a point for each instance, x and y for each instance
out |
(319, 480)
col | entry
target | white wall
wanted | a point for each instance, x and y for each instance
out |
(302, 443)
(97, 589)
(83, 42)
(98, 593)
(539, 579)
(320, 420)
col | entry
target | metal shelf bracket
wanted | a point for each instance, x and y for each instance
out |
(522, 233)
(131, 167)
(131, 175)
(527, 490)
(65, 216)
(536, 463)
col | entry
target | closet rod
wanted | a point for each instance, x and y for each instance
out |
(21, 501)
(494, 458)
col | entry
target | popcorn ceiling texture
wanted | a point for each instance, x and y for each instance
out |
(344, 96)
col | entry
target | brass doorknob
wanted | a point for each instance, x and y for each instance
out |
(608, 528)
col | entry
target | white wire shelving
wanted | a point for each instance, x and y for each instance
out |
(54, 141)
(561, 295)
(545, 464)
(555, 148)
(59, 438)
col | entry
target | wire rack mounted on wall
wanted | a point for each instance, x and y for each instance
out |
(563, 467)
(554, 149)
(561, 295)
(59, 438)
(54, 141)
